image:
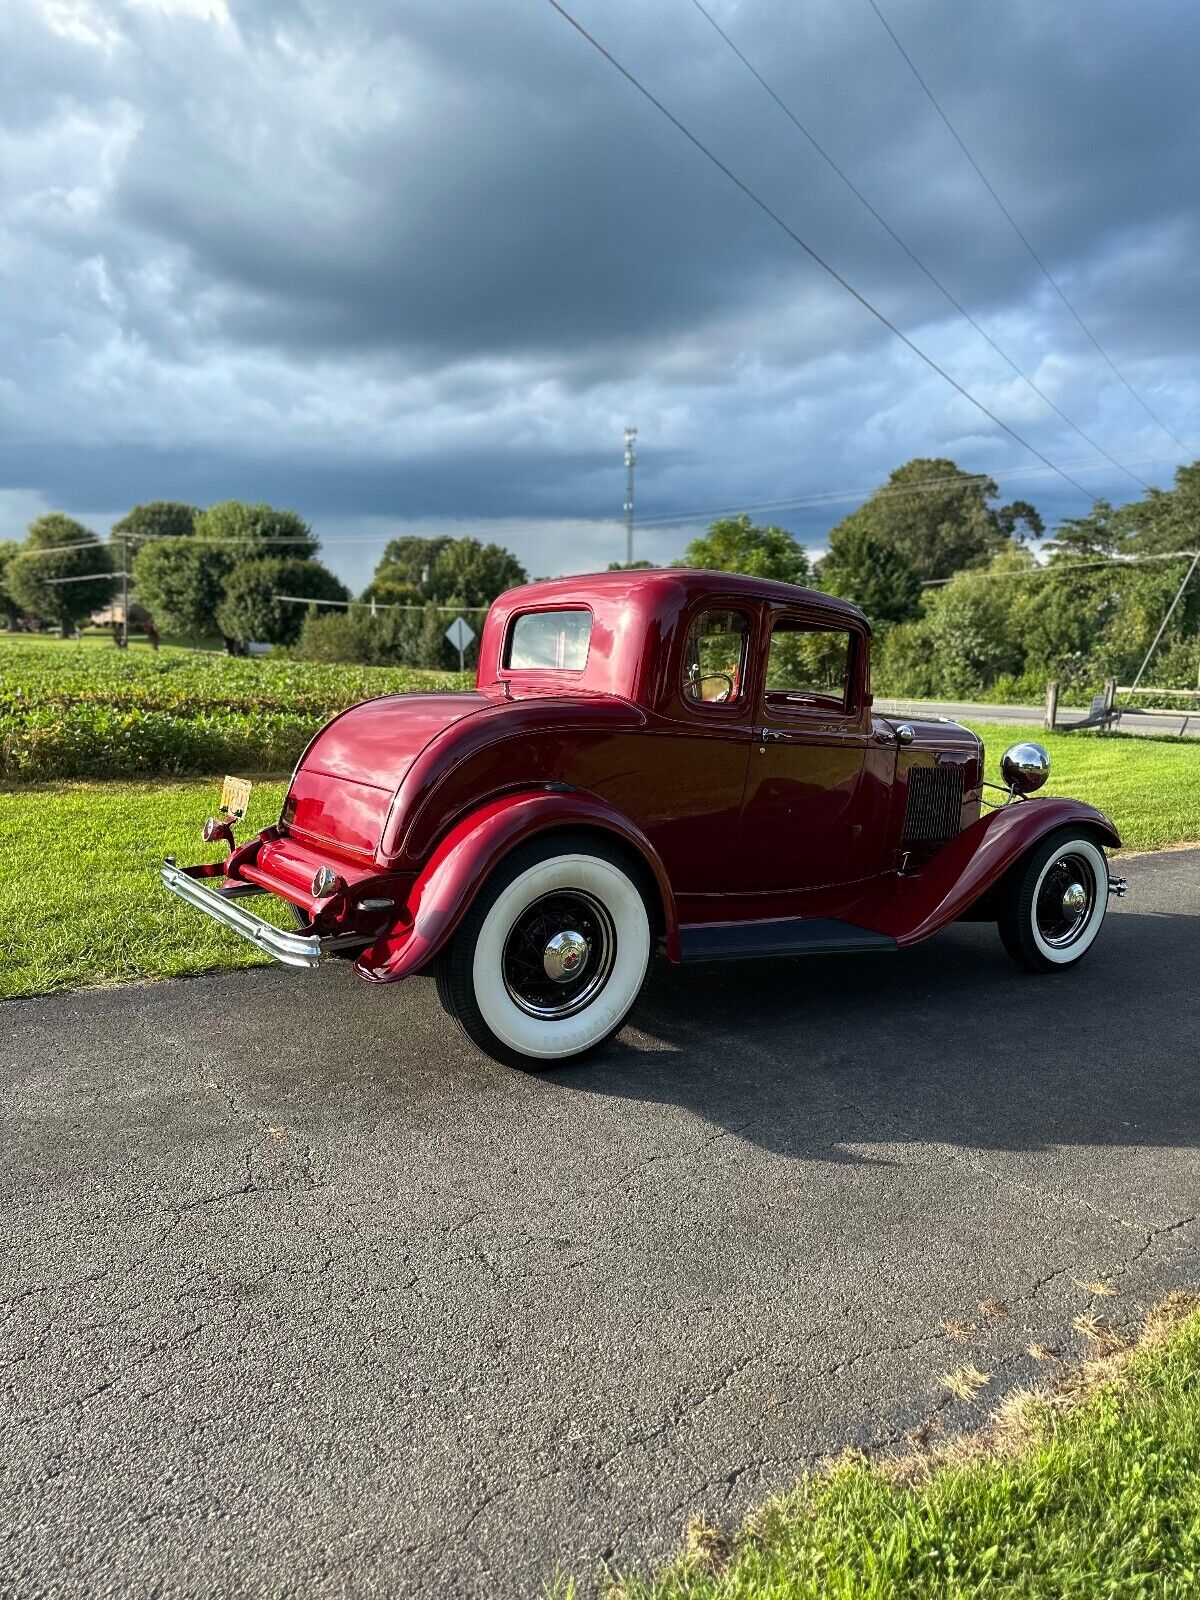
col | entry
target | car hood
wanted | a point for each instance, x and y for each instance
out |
(344, 783)
(928, 730)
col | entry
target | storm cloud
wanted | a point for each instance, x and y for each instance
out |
(419, 263)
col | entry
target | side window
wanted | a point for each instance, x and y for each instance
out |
(808, 668)
(714, 658)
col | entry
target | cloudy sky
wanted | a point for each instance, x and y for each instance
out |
(412, 264)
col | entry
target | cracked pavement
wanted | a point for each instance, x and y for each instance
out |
(302, 1297)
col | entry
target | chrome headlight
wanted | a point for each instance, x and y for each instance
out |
(1025, 767)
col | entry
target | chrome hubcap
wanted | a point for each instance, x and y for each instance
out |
(1074, 900)
(559, 954)
(1066, 900)
(565, 956)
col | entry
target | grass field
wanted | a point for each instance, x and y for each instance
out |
(80, 903)
(1090, 1491)
(74, 710)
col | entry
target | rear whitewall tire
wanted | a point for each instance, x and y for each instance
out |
(472, 982)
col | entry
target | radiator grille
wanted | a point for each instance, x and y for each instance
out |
(933, 811)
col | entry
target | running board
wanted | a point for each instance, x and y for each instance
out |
(781, 936)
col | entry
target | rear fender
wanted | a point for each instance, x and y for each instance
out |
(462, 861)
(974, 862)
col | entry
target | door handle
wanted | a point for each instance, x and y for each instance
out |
(768, 735)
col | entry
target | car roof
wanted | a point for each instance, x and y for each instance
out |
(656, 586)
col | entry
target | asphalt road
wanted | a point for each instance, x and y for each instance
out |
(303, 1298)
(1186, 724)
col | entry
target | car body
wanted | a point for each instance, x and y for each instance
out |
(710, 738)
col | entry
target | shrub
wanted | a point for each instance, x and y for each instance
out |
(390, 638)
(252, 607)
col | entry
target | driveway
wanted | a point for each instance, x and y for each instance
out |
(305, 1298)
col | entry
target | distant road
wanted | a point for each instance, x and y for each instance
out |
(1186, 723)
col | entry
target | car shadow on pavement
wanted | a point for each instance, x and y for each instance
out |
(948, 1041)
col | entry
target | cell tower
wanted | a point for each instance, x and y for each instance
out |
(630, 463)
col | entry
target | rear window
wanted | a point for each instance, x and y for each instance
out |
(549, 640)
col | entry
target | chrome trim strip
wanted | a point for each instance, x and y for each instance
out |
(293, 949)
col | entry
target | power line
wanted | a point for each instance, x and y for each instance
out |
(1058, 568)
(660, 519)
(377, 605)
(907, 248)
(160, 538)
(1042, 267)
(88, 577)
(806, 247)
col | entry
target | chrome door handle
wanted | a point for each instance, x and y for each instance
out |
(767, 734)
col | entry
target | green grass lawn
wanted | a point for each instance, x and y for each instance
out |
(1149, 787)
(1093, 1491)
(80, 904)
(79, 900)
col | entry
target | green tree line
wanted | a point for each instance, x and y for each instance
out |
(946, 574)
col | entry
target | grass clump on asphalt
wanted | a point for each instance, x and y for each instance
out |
(1090, 1489)
(80, 901)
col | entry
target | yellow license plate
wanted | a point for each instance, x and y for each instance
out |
(235, 797)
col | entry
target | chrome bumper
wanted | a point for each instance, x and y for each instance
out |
(293, 949)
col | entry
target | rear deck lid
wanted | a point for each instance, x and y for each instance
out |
(343, 787)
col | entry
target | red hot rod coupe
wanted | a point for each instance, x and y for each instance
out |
(669, 756)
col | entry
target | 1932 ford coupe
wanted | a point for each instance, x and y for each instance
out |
(677, 757)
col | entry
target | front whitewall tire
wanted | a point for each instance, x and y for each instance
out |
(1064, 955)
(1039, 929)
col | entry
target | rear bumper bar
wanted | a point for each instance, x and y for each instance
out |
(293, 949)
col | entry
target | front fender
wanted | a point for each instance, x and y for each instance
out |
(978, 858)
(461, 862)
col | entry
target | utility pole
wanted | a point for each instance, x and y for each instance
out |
(1163, 625)
(630, 463)
(125, 592)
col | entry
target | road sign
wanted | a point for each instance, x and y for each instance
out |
(460, 634)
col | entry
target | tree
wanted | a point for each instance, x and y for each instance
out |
(467, 573)
(735, 544)
(277, 533)
(9, 609)
(182, 583)
(462, 571)
(251, 608)
(874, 575)
(58, 548)
(411, 560)
(939, 518)
(631, 566)
(969, 624)
(389, 588)
(156, 519)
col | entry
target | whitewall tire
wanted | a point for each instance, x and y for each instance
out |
(1054, 902)
(553, 952)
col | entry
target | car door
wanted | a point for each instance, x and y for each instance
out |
(689, 797)
(810, 815)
